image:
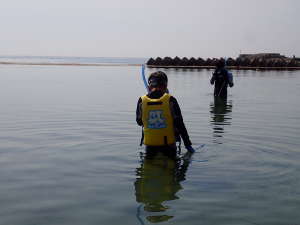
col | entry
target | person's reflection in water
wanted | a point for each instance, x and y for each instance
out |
(158, 180)
(220, 111)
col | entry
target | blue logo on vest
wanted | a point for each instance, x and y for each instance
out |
(156, 120)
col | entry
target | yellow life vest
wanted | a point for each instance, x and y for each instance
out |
(157, 121)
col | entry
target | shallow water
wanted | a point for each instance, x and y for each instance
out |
(69, 149)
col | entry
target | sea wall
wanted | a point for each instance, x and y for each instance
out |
(242, 62)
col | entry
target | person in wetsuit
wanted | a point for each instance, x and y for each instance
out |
(221, 78)
(159, 114)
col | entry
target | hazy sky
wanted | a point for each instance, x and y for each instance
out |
(143, 28)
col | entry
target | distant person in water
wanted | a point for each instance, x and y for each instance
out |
(221, 78)
(160, 115)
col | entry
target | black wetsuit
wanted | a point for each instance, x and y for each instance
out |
(221, 80)
(180, 128)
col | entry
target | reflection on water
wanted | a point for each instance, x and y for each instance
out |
(158, 180)
(68, 153)
(221, 116)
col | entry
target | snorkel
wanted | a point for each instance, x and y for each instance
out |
(144, 78)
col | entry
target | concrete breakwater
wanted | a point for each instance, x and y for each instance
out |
(263, 61)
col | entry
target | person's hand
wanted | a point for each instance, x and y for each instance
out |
(190, 149)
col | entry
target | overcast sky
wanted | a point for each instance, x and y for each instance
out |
(143, 28)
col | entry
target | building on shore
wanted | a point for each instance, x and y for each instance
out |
(262, 56)
(296, 59)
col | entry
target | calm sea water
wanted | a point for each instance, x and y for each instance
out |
(71, 60)
(70, 154)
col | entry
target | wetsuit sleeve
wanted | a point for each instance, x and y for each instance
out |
(178, 121)
(213, 78)
(138, 114)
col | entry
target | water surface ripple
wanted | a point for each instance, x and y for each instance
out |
(70, 154)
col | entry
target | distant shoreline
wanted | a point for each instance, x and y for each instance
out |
(228, 67)
(148, 66)
(68, 64)
(259, 61)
